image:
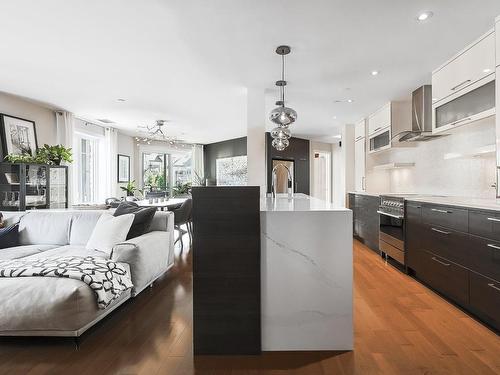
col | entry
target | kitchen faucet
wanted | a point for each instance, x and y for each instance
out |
(274, 179)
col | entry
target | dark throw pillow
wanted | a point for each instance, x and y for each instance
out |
(143, 216)
(9, 237)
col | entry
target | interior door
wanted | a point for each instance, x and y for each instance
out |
(282, 175)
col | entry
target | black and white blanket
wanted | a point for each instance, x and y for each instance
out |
(106, 278)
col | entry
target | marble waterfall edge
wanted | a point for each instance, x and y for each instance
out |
(307, 278)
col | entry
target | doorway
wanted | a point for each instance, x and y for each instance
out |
(322, 177)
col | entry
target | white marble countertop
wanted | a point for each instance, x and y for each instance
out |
(479, 203)
(371, 194)
(467, 202)
(299, 202)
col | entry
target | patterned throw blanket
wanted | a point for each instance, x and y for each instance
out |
(106, 278)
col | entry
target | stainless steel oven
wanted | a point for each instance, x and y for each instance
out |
(392, 229)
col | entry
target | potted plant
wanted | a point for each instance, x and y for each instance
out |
(182, 190)
(130, 188)
(54, 155)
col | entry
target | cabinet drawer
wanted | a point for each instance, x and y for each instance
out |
(485, 298)
(446, 243)
(447, 217)
(444, 276)
(484, 257)
(485, 224)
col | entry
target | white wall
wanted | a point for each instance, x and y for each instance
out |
(126, 146)
(44, 117)
(256, 139)
(433, 172)
(326, 147)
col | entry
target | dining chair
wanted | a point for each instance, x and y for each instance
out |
(182, 216)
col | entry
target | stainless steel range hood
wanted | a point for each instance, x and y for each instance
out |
(421, 117)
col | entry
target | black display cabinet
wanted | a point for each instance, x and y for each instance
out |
(33, 186)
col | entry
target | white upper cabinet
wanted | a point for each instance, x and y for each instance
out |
(380, 120)
(359, 164)
(470, 66)
(497, 33)
(463, 89)
(359, 130)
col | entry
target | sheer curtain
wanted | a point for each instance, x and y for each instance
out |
(65, 130)
(198, 167)
(109, 170)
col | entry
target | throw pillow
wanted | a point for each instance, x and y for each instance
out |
(143, 217)
(109, 231)
(9, 236)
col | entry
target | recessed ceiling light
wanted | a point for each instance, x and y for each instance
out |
(487, 70)
(121, 100)
(334, 117)
(424, 16)
(349, 100)
(374, 72)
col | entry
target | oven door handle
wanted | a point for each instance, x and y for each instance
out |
(391, 215)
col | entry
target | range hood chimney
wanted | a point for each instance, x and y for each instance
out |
(421, 117)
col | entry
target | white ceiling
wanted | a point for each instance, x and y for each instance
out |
(190, 61)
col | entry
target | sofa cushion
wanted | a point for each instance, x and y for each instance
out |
(9, 236)
(45, 228)
(17, 252)
(109, 231)
(82, 225)
(143, 216)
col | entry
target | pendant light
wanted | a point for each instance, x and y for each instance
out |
(282, 116)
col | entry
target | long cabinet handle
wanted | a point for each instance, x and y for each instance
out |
(460, 84)
(441, 262)
(441, 211)
(493, 219)
(377, 129)
(440, 231)
(491, 285)
(493, 246)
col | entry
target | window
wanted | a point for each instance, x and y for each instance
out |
(86, 176)
(155, 171)
(164, 171)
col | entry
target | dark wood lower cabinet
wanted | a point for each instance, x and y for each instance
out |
(461, 265)
(485, 299)
(445, 276)
(365, 219)
(226, 270)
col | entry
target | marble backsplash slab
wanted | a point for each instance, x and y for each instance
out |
(434, 172)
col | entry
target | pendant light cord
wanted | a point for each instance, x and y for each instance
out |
(283, 79)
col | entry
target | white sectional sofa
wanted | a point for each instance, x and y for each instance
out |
(52, 306)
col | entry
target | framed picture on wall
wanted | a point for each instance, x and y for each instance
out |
(123, 168)
(18, 135)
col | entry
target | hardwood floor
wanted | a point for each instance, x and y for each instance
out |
(401, 327)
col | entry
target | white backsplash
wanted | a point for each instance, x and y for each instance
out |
(433, 174)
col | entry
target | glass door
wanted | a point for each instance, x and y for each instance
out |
(10, 187)
(36, 186)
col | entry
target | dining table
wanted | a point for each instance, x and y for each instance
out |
(165, 205)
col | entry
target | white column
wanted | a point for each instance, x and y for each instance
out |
(343, 166)
(256, 139)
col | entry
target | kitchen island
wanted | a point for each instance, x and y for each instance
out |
(306, 274)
